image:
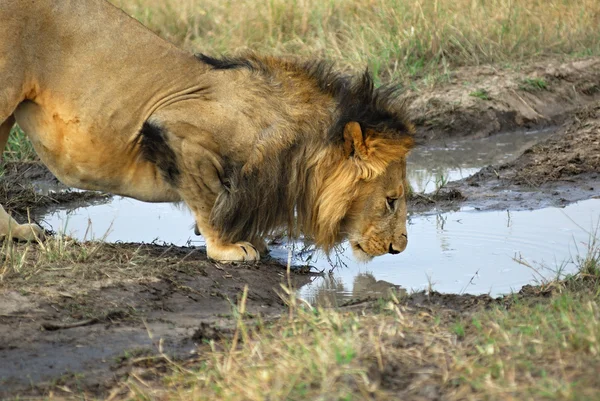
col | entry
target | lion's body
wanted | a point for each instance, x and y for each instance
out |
(248, 144)
(88, 92)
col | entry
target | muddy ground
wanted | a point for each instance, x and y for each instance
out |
(76, 317)
(562, 169)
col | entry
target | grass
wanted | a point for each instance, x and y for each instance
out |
(540, 345)
(481, 94)
(18, 147)
(38, 263)
(544, 350)
(396, 39)
(533, 85)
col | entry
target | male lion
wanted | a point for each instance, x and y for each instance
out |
(250, 144)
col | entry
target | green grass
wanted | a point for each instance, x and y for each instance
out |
(18, 147)
(544, 350)
(533, 85)
(481, 94)
(397, 39)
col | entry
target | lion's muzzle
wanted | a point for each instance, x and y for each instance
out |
(398, 246)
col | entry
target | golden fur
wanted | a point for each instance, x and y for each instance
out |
(251, 144)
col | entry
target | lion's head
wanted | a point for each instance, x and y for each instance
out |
(376, 222)
(363, 198)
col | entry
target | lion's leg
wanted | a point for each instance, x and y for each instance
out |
(258, 243)
(5, 128)
(9, 226)
(11, 229)
(199, 195)
(219, 250)
(199, 187)
(261, 245)
(11, 94)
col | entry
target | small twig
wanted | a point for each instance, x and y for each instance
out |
(61, 326)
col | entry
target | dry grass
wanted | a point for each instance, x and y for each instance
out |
(547, 349)
(63, 259)
(312, 354)
(395, 38)
(543, 344)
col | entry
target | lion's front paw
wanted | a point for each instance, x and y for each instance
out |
(238, 252)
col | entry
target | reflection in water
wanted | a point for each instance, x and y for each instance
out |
(446, 161)
(127, 220)
(327, 291)
(474, 252)
(466, 251)
(330, 290)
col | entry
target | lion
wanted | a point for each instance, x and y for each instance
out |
(251, 144)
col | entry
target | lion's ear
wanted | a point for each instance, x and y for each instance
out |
(373, 153)
(354, 141)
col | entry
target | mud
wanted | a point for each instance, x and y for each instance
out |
(76, 324)
(485, 100)
(562, 169)
(79, 317)
(30, 186)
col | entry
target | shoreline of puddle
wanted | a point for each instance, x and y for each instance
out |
(464, 251)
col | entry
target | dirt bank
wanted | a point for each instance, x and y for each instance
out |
(481, 101)
(563, 169)
(31, 186)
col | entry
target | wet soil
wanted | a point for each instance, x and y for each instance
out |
(79, 320)
(30, 185)
(79, 317)
(562, 169)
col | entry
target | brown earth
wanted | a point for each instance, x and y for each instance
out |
(31, 186)
(485, 100)
(77, 317)
(564, 168)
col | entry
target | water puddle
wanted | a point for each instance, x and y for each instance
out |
(468, 252)
(456, 252)
(450, 160)
(127, 220)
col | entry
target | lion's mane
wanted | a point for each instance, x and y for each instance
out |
(302, 178)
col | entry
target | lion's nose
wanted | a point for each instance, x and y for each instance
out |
(400, 245)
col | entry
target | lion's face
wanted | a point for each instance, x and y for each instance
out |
(376, 222)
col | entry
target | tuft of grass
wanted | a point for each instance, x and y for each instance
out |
(67, 260)
(441, 181)
(396, 39)
(18, 147)
(481, 94)
(533, 85)
(589, 263)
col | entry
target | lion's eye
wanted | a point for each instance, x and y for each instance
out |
(391, 202)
